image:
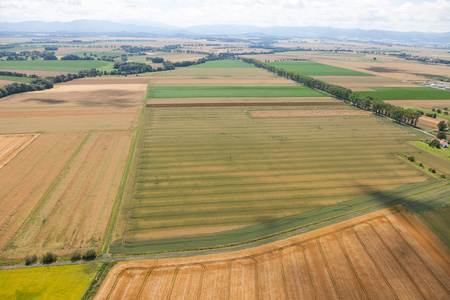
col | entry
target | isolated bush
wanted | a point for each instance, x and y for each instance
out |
(441, 135)
(421, 165)
(433, 109)
(29, 260)
(48, 258)
(432, 170)
(411, 158)
(89, 255)
(76, 256)
(438, 110)
(442, 125)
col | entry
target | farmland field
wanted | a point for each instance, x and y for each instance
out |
(56, 282)
(407, 93)
(72, 66)
(382, 255)
(210, 170)
(59, 191)
(315, 69)
(232, 91)
(11, 145)
(223, 64)
(16, 79)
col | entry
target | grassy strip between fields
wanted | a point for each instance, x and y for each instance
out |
(423, 167)
(118, 204)
(429, 111)
(98, 280)
(278, 227)
(442, 152)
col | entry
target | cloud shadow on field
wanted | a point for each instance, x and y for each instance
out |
(46, 101)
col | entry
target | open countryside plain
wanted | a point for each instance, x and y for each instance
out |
(382, 255)
(59, 191)
(206, 171)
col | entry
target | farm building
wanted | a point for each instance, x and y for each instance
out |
(444, 144)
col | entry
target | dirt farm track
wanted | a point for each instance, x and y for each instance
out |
(381, 255)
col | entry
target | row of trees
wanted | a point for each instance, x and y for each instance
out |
(40, 83)
(399, 114)
(76, 57)
(50, 257)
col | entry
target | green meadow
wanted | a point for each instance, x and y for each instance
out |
(53, 282)
(232, 91)
(407, 93)
(17, 79)
(316, 69)
(224, 64)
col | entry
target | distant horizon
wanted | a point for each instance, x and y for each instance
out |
(164, 25)
(390, 15)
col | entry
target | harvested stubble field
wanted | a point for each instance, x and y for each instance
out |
(382, 255)
(11, 145)
(73, 169)
(429, 104)
(308, 113)
(72, 66)
(84, 193)
(205, 170)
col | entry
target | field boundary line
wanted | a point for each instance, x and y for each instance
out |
(395, 258)
(118, 203)
(118, 278)
(416, 254)
(372, 259)
(327, 267)
(283, 275)
(144, 282)
(235, 104)
(334, 234)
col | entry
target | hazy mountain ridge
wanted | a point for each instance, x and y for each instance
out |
(78, 27)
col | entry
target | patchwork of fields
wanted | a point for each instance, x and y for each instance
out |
(315, 69)
(382, 255)
(203, 173)
(407, 93)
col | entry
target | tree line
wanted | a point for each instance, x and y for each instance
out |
(40, 83)
(399, 114)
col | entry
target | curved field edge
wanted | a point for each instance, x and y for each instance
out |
(386, 254)
(263, 232)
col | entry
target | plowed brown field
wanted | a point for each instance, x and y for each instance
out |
(381, 255)
(11, 145)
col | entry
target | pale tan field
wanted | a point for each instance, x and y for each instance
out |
(11, 145)
(25, 179)
(37, 72)
(217, 73)
(58, 193)
(360, 83)
(74, 212)
(382, 255)
(428, 104)
(429, 123)
(5, 82)
(405, 70)
(84, 93)
(308, 113)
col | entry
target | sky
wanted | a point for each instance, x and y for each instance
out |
(395, 15)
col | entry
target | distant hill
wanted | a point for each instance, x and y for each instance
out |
(95, 27)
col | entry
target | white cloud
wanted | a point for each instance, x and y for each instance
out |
(421, 15)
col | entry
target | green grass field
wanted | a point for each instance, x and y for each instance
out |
(316, 69)
(16, 79)
(232, 91)
(407, 93)
(71, 66)
(214, 168)
(442, 152)
(224, 64)
(53, 282)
